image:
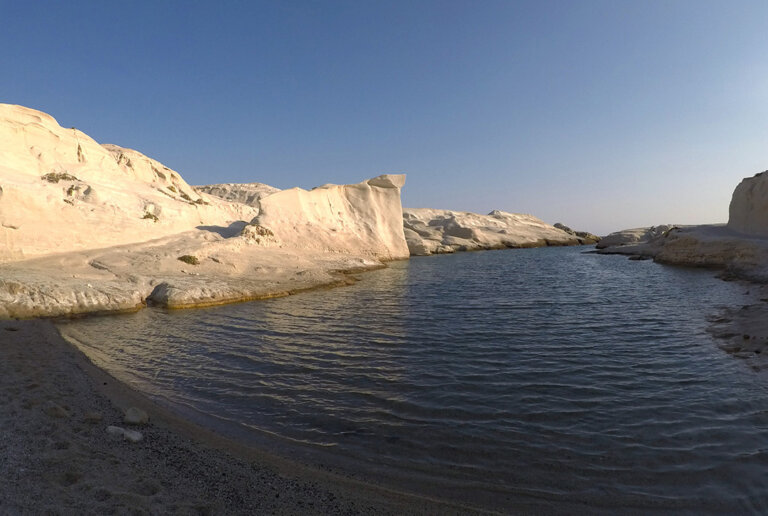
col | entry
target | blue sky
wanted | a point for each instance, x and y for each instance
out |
(599, 114)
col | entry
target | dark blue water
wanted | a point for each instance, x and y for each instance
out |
(541, 379)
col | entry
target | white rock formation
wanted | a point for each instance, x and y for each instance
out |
(748, 211)
(61, 191)
(363, 219)
(634, 236)
(246, 193)
(92, 228)
(738, 247)
(430, 231)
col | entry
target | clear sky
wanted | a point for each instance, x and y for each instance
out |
(599, 114)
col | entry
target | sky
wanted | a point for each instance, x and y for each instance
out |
(602, 115)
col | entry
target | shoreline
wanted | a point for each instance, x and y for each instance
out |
(58, 456)
(180, 466)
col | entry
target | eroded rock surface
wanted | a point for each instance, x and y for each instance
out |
(99, 228)
(246, 193)
(62, 191)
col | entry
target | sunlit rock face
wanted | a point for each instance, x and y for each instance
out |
(113, 230)
(748, 211)
(362, 219)
(62, 191)
(429, 231)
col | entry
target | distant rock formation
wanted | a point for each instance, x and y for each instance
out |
(246, 193)
(740, 247)
(584, 237)
(429, 231)
(748, 211)
(635, 236)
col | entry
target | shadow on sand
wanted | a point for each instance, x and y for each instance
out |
(230, 231)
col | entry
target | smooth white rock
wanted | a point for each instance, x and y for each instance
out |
(362, 219)
(133, 436)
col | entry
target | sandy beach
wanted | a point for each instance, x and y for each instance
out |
(57, 457)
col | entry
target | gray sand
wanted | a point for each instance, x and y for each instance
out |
(57, 457)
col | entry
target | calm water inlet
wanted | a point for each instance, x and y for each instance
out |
(540, 379)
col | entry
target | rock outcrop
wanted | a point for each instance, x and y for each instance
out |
(62, 191)
(634, 236)
(99, 228)
(362, 219)
(748, 211)
(429, 231)
(740, 247)
(585, 237)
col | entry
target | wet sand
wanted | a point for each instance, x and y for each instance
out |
(743, 331)
(56, 455)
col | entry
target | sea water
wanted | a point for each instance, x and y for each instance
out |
(548, 380)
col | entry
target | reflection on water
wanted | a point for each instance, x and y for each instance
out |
(543, 379)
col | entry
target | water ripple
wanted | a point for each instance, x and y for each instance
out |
(545, 378)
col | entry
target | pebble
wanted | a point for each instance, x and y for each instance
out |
(130, 435)
(133, 435)
(135, 416)
(115, 430)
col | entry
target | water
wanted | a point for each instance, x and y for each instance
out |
(541, 379)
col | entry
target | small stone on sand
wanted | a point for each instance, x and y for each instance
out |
(130, 435)
(135, 416)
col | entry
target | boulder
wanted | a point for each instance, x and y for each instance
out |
(135, 416)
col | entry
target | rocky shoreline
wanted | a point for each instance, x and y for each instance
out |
(738, 250)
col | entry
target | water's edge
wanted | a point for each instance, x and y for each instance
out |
(512, 492)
